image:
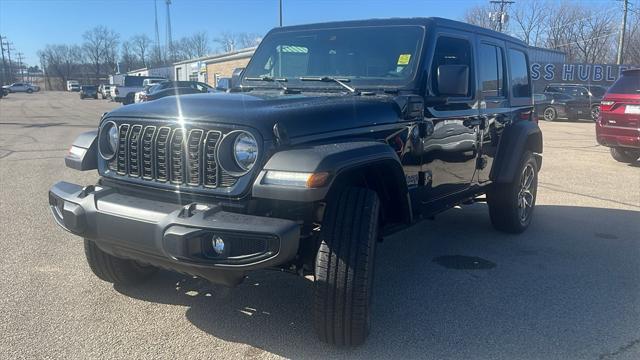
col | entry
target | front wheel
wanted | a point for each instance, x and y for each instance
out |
(29, 91)
(113, 269)
(344, 267)
(623, 155)
(550, 114)
(511, 205)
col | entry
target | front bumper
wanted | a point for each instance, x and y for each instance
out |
(174, 236)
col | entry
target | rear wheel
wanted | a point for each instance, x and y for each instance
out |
(511, 205)
(624, 155)
(29, 91)
(113, 269)
(550, 114)
(595, 112)
(344, 267)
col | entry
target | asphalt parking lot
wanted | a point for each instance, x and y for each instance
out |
(568, 288)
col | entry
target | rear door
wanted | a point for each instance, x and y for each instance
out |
(450, 151)
(494, 103)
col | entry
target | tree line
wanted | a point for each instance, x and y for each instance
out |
(586, 34)
(103, 52)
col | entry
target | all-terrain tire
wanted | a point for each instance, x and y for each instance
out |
(623, 155)
(344, 267)
(506, 201)
(113, 269)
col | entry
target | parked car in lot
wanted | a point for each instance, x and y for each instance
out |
(572, 101)
(618, 126)
(73, 84)
(336, 135)
(173, 88)
(88, 91)
(21, 87)
(125, 94)
(104, 90)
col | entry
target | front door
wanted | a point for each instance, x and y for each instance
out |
(450, 150)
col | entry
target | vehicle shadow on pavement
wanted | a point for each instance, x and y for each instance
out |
(566, 288)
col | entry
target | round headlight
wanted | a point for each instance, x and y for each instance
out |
(108, 140)
(245, 151)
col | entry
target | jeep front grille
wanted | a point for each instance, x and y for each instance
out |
(184, 156)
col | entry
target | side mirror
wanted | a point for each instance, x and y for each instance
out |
(453, 80)
(235, 77)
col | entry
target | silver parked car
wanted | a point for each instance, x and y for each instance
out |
(21, 87)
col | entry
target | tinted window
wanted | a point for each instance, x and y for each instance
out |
(365, 56)
(627, 84)
(598, 91)
(452, 51)
(491, 70)
(520, 86)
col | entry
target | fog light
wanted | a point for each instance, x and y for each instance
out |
(218, 244)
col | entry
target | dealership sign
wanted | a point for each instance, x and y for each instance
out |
(581, 73)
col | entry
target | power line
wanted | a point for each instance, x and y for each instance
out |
(586, 40)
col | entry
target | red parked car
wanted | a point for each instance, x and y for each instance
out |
(618, 125)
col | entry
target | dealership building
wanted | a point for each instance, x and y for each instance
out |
(209, 69)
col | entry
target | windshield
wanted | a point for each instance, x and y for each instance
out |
(366, 57)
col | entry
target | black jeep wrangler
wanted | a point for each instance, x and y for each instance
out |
(335, 135)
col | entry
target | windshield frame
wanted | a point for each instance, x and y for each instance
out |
(408, 83)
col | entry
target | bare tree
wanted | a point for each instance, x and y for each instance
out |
(632, 40)
(529, 19)
(199, 43)
(128, 58)
(141, 43)
(593, 35)
(247, 40)
(100, 46)
(227, 40)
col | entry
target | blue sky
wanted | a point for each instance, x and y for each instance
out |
(31, 24)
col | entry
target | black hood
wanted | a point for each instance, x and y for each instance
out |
(299, 114)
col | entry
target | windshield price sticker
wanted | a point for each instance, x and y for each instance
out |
(403, 59)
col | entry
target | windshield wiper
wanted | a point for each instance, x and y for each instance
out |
(278, 81)
(340, 82)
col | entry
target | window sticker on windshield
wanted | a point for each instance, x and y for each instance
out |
(403, 59)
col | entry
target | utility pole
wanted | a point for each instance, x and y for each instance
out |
(4, 63)
(623, 29)
(169, 40)
(8, 45)
(20, 58)
(502, 15)
(155, 9)
(280, 1)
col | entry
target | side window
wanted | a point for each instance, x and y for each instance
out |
(491, 71)
(520, 86)
(452, 51)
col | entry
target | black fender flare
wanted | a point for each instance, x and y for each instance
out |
(83, 154)
(514, 141)
(336, 159)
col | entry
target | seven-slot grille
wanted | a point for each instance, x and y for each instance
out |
(176, 155)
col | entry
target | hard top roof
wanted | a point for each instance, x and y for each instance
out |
(430, 21)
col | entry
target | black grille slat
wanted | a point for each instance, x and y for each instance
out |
(194, 143)
(182, 155)
(133, 143)
(147, 152)
(176, 156)
(121, 158)
(209, 159)
(162, 140)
